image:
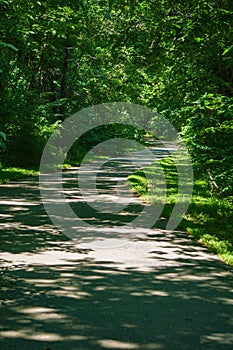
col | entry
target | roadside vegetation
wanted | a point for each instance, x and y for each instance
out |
(11, 173)
(173, 57)
(18, 173)
(209, 217)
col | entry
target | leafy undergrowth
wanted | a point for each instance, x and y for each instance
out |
(8, 174)
(209, 218)
(15, 173)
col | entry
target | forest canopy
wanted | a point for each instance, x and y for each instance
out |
(175, 57)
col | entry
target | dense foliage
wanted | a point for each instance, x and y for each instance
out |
(171, 56)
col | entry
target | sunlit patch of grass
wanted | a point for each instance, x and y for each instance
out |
(139, 183)
(209, 218)
(15, 173)
(8, 174)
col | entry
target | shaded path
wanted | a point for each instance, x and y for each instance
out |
(161, 290)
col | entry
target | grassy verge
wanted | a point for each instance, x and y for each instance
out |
(209, 218)
(15, 173)
(8, 174)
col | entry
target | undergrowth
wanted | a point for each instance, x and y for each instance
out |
(9, 174)
(209, 217)
(16, 173)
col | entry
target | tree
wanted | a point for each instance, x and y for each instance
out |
(172, 56)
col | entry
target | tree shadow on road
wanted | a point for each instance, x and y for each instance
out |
(56, 296)
(85, 304)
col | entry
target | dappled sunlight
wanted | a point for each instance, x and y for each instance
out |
(48, 257)
(110, 344)
(97, 305)
(14, 203)
(115, 286)
(222, 338)
(5, 216)
(25, 334)
(40, 313)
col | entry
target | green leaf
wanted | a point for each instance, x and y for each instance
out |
(198, 40)
(3, 135)
(227, 50)
(8, 45)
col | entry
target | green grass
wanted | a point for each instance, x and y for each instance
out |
(15, 173)
(9, 174)
(209, 218)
